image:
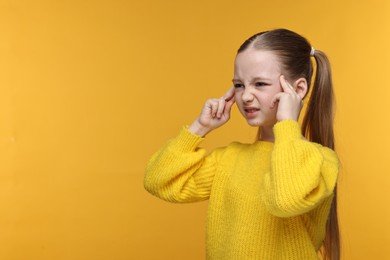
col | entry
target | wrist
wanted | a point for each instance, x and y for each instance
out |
(198, 129)
(287, 130)
(287, 118)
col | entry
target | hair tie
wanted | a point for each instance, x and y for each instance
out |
(312, 51)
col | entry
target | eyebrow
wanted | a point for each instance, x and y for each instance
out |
(253, 79)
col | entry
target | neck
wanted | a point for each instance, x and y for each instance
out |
(266, 134)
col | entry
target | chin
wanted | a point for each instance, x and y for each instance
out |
(254, 123)
(259, 122)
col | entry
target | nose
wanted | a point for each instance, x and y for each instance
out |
(247, 95)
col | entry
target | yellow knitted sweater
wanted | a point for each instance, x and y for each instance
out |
(266, 200)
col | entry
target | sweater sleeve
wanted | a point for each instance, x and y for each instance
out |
(180, 171)
(302, 173)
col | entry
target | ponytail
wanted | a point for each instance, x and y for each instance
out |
(317, 126)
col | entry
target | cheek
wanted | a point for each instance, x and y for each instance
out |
(267, 99)
(237, 98)
(269, 96)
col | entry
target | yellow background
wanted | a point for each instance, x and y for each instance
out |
(90, 89)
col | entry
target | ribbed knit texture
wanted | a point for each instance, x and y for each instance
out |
(266, 200)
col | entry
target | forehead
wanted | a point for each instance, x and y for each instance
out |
(256, 63)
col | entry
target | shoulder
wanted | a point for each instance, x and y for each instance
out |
(326, 151)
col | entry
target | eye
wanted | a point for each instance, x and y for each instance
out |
(238, 85)
(260, 84)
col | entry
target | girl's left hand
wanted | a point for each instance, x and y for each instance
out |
(290, 102)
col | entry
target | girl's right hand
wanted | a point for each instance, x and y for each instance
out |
(215, 112)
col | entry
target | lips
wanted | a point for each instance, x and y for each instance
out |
(251, 109)
(251, 112)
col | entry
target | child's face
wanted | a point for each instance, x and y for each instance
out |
(256, 81)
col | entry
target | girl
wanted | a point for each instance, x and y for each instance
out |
(274, 198)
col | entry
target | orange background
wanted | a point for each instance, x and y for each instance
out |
(90, 89)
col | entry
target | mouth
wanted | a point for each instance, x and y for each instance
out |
(251, 111)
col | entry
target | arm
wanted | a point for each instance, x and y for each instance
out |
(302, 173)
(180, 171)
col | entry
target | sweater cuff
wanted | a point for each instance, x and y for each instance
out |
(187, 141)
(287, 130)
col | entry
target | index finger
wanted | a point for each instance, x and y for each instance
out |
(285, 85)
(229, 94)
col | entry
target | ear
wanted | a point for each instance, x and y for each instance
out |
(300, 86)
